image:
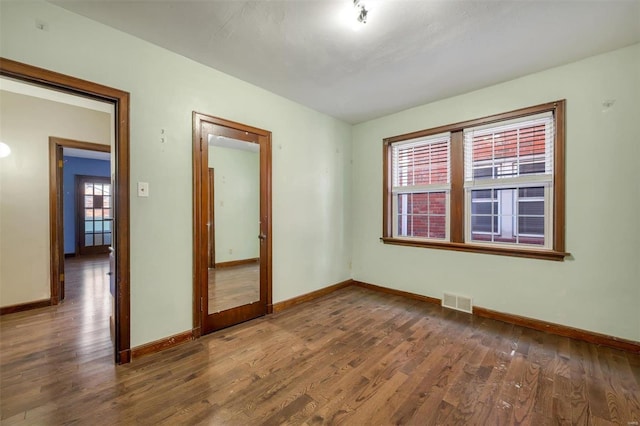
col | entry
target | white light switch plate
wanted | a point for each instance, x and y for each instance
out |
(143, 189)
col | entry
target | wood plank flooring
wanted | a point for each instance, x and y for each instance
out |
(233, 286)
(354, 357)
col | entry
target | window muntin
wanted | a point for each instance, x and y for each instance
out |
(421, 179)
(511, 194)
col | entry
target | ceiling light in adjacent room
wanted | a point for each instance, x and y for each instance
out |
(4, 150)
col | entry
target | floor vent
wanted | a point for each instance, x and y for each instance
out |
(459, 303)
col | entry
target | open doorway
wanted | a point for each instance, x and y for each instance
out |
(81, 207)
(120, 236)
(85, 198)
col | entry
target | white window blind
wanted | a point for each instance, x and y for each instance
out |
(513, 151)
(422, 163)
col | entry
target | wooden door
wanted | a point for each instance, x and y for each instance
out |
(94, 214)
(234, 285)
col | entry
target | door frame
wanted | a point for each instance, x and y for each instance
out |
(120, 100)
(56, 208)
(211, 220)
(201, 215)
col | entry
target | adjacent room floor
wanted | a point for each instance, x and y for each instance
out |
(233, 286)
(353, 357)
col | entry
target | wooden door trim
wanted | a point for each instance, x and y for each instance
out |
(56, 239)
(200, 148)
(212, 220)
(120, 100)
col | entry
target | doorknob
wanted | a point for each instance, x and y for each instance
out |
(262, 236)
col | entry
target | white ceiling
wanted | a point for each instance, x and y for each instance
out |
(225, 142)
(22, 88)
(83, 153)
(410, 52)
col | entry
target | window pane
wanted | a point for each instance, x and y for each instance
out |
(422, 215)
(107, 225)
(107, 239)
(481, 208)
(106, 201)
(492, 214)
(107, 214)
(88, 200)
(483, 172)
(98, 240)
(529, 208)
(531, 225)
(437, 203)
(88, 189)
(97, 189)
(106, 189)
(420, 226)
(97, 201)
(88, 213)
(536, 192)
(437, 227)
(419, 203)
(88, 240)
(88, 226)
(482, 193)
(482, 224)
(97, 226)
(97, 213)
(533, 168)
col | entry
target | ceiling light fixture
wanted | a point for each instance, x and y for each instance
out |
(4, 150)
(362, 11)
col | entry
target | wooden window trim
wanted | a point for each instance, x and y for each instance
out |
(457, 205)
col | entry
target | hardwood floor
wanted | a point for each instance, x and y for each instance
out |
(354, 357)
(233, 286)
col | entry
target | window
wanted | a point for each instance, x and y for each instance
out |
(491, 185)
(421, 187)
(508, 181)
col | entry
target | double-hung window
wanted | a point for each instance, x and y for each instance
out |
(509, 181)
(421, 184)
(491, 185)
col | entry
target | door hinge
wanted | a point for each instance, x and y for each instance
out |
(61, 277)
(60, 163)
(201, 305)
(200, 144)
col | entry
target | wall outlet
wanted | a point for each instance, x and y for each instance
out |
(143, 189)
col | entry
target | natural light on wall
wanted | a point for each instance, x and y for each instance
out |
(4, 150)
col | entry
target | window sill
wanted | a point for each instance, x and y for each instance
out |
(528, 253)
